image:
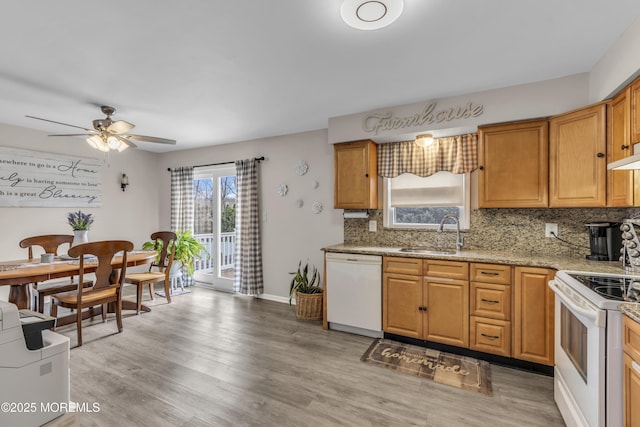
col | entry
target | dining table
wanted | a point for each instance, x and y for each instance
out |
(19, 274)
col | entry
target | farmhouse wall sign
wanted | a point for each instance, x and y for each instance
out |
(37, 179)
(429, 115)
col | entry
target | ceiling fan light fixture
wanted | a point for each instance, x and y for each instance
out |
(371, 14)
(113, 142)
(424, 140)
(98, 143)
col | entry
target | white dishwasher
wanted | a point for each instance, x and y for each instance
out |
(354, 293)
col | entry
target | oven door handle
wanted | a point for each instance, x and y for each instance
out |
(592, 313)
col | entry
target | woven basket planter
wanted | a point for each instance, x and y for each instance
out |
(309, 306)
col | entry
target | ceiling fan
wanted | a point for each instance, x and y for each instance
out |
(108, 134)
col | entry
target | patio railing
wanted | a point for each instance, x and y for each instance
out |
(226, 247)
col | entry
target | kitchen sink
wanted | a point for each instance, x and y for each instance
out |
(429, 251)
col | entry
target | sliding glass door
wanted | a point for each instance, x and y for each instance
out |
(215, 224)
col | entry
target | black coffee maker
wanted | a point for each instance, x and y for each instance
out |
(605, 241)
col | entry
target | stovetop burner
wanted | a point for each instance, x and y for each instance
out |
(611, 287)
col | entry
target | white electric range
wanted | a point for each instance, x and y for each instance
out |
(588, 345)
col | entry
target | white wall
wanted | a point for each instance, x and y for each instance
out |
(618, 66)
(289, 234)
(130, 215)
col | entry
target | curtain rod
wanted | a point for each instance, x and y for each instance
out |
(259, 159)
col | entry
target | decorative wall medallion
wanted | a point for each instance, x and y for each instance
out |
(315, 184)
(283, 189)
(316, 208)
(302, 167)
(299, 203)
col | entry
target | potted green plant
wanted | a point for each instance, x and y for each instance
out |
(308, 292)
(187, 250)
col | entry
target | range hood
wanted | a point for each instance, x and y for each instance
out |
(628, 163)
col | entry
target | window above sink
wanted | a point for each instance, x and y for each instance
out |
(413, 202)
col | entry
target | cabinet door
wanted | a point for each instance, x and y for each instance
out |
(577, 160)
(355, 175)
(447, 311)
(401, 303)
(533, 315)
(634, 94)
(619, 183)
(513, 165)
(631, 392)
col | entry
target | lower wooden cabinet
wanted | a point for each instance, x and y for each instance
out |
(533, 319)
(631, 373)
(504, 310)
(402, 299)
(426, 307)
(446, 311)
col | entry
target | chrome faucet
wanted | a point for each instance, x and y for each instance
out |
(459, 238)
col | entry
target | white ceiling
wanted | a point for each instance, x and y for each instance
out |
(208, 72)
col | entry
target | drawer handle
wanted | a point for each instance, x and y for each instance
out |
(491, 337)
(635, 366)
(489, 273)
(490, 301)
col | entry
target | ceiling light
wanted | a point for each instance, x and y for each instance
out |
(424, 140)
(113, 142)
(370, 14)
(98, 143)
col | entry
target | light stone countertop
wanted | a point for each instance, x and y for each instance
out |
(492, 257)
(631, 309)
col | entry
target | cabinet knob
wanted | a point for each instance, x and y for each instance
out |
(366, 175)
(624, 147)
(600, 154)
(481, 168)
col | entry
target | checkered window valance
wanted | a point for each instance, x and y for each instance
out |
(455, 154)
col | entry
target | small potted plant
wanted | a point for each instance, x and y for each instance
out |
(308, 292)
(80, 224)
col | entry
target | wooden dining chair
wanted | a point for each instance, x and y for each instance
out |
(159, 271)
(50, 243)
(107, 287)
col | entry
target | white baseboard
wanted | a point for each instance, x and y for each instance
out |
(276, 298)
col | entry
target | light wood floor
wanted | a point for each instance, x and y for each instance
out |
(217, 359)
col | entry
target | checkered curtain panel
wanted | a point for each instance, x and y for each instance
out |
(456, 154)
(182, 211)
(248, 252)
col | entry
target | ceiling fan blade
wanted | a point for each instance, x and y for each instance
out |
(74, 134)
(150, 139)
(119, 127)
(126, 141)
(60, 123)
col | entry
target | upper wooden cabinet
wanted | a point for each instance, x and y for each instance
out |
(620, 188)
(634, 95)
(355, 175)
(577, 159)
(513, 165)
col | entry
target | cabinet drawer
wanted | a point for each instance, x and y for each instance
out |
(631, 337)
(412, 266)
(490, 336)
(490, 273)
(489, 300)
(450, 269)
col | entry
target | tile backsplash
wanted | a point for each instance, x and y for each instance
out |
(517, 230)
